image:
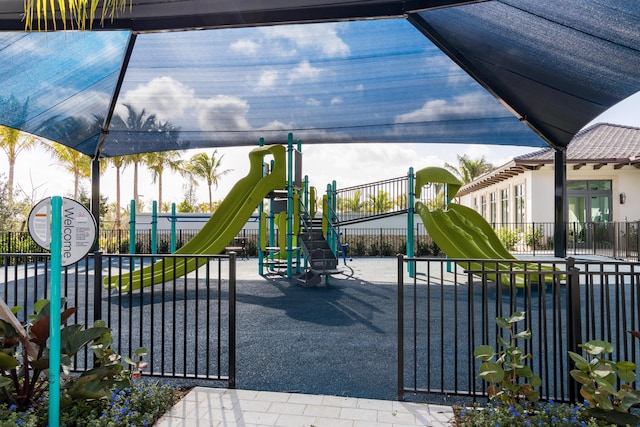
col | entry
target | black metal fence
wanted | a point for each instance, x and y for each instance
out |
(449, 308)
(186, 323)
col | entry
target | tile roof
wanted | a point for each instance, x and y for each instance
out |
(596, 145)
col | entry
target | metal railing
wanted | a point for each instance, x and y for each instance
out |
(186, 323)
(449, 308)
(612, 239)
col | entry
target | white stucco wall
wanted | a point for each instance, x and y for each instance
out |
(539, 191)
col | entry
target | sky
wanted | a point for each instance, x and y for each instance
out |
(349, 164)
(193, 102)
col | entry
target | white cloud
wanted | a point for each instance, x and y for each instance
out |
(245, 46)
(171, 99)
(222, 112)
(461, 107)
(267, 79)
(336, 100)
(304, 71)
(322, 38)
(313, 102)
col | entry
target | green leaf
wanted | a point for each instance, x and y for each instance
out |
(613, 417)
(516, 317)
(625, 365)
(597, 347)
(581, 362)
(39, 305)
(602, 401)
(535, 381)
(605, 385)
(7, 362)
(580, 376)
(524, 372)
(4, 382)
(76, 340)
(526, 334)
(627, 375)
(491, 372)
(141, 351)
(532, 396)
(15, 310)
(502, 342)
(503, 323)
(484, 352)
(630, 399)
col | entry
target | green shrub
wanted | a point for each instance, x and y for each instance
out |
(508, 237)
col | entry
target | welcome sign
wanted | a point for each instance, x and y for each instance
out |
(79, 228)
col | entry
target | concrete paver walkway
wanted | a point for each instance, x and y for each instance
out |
(213, 407)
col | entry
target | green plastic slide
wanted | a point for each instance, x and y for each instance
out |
(222, 227)
(463, 233)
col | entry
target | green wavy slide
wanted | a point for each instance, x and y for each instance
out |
(461, 232)
(225, 223)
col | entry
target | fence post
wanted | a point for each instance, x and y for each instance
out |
(400, 327)
(574, 321)
(97, 289)
(232, 320)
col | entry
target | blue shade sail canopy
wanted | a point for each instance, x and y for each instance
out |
(494, 72)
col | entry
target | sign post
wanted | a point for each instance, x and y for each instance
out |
(69, 230)
(54, 312)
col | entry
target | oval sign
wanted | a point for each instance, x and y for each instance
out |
(78, 227)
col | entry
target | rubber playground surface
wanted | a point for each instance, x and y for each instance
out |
(337, 340)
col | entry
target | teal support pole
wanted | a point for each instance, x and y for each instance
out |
(306, 208)
(132, 228)
(260, 212)
(411, 266)
(154, 227)
(173, 228)
(272, 226)
(446, 203)
(290, 206)
(54, 311)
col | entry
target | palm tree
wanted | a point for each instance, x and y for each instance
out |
(353, 204)
(41, 9)
(469, 169)
(208, 168)
(134, 123)
(160, 161)
(119, 162)
(74, 162)
(380, 202)
(13, 142)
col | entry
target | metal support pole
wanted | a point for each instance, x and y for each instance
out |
(574, 321)
(410, 221)
(232, 320)
(560, 180)
(289, 243)
(154, 227)
(132, 228)
(173, 228)
(95, 198)
(400, 349)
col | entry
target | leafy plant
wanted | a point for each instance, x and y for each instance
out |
(511, 381)
(599, 377)
(24, 359)
(508, 237)
(542, 414)
(533, 237)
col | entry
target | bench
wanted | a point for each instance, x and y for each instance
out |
(239, 246)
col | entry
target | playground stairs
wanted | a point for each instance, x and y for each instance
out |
(319, 256)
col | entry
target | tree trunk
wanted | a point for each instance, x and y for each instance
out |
(210, 200)
(12, 163)
(135, 185)
(118, 224)
(160, 192)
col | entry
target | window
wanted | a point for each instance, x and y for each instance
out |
(483, 206)
(504, 206)
(519, 203)
(492, 209)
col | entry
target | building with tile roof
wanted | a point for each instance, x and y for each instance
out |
(603, 176)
